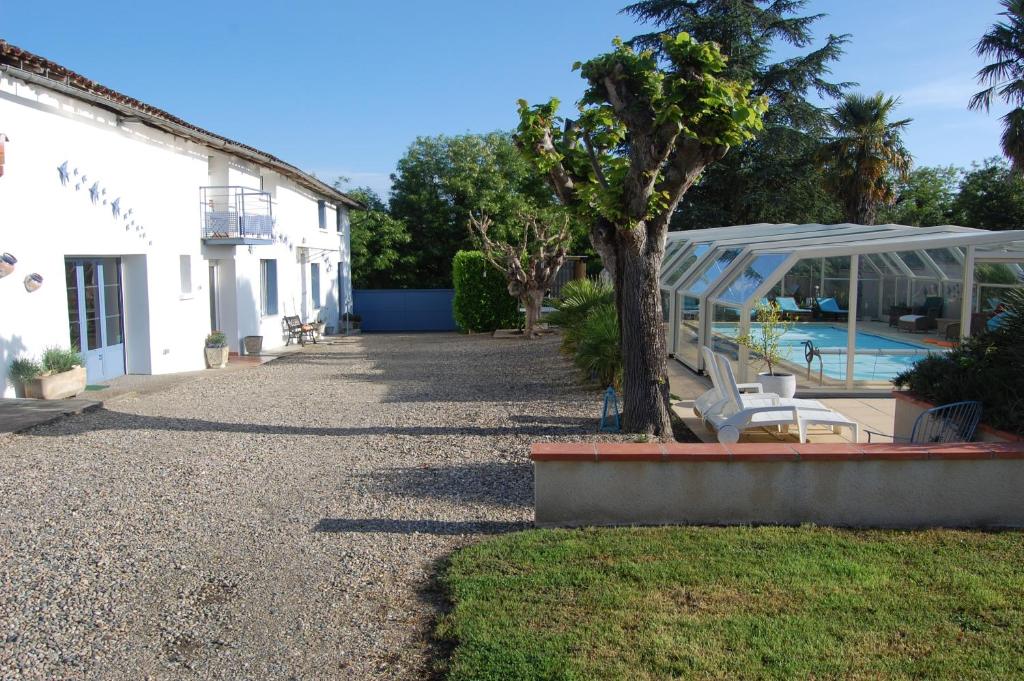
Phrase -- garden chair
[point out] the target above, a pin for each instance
(829, 307)
(954, 422)
(735, 416)
(789, 306)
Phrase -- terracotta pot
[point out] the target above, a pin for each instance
(217, 358)
(57, 386)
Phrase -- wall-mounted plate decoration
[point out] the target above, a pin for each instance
(7, 263)
(33, 282)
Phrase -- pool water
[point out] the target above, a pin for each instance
(878, 358)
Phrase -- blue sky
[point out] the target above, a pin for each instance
(342, 88)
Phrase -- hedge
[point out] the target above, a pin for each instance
(482, 302)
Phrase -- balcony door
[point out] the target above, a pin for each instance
(95, 314)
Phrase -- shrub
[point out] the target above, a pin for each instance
(24, 369)
(579, 297)
(988, 368)
(217, 339)
(58, 360)
(482, 301)
(599, 353)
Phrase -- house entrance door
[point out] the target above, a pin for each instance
(95, 314)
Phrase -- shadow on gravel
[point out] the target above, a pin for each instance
(105, 419)
(497, 483)
(439, 527)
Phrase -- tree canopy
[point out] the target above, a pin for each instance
(991, 197)
(925, 198)
(1003, 77)
(380, 244)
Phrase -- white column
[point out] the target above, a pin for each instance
(851, 323)
(967, 294)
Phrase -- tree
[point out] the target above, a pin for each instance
(379, 241)
(441, 180)
(772, 178)
(864, 156)
(644, 134)
(991, 197)
(925, 198)
(1004, 77)
(531, 265)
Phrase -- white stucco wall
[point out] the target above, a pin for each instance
(157, 177)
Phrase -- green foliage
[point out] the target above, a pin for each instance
(774, 177)
(991, 197)
(766, 338)
(57, 360)
(24, 369)
(1004, 77)
(599, 350)
(715, 111)
(865, 156)
(216, 339)
(579, 298)
(988, 368)
(925, 198)
(441, 180)
(482, 302)
(736, 603)
(381, 252)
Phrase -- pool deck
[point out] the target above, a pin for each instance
(872, 413)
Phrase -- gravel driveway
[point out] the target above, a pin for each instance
(278, 522)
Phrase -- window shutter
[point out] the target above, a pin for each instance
(321, 210)
(272, 286)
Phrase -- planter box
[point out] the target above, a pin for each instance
(217, 358)
(909, 406)
(57, 386)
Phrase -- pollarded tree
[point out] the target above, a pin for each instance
(865, 156)
(531, 265)
(645, 132)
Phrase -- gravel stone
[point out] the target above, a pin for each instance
(280, 522)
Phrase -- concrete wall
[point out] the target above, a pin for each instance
(156, 178)
(969, 485)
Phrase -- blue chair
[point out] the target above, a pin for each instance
(787, 304)
(955, 422)
(829, 306)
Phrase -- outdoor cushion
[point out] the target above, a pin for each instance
(830, 305)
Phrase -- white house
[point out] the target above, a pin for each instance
(136, 233)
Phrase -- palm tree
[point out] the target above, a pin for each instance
(1004, 77)
(864, 155)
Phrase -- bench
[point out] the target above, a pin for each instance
(298, 330)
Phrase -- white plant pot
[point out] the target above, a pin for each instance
(783, 385)
(217, 358)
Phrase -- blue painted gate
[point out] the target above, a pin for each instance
(405, 309)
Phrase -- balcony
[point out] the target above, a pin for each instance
(234, 216)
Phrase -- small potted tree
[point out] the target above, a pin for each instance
(764, 341)
(216, 350)
(60, 375)
(21, 371)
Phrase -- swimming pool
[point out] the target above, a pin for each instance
(878, 358)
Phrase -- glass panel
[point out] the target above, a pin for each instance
(914, 262)
(712, 270)
(688, 329)
(671, 250)
(685, 264)
(92, 308)
(752, 276)
(74, 323)
(947, 262)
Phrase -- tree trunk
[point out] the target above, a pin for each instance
(645, 369)
(533, 301)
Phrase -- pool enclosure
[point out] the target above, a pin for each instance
(864, 301)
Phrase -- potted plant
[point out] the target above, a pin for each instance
(21, 371)
(764, 341)
(351, 321)
(216, 350)
(60, 375)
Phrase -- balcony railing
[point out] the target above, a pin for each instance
(236, 215)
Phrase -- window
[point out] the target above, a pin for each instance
(339, 219)
(321, 213)
(268, 287)
(185, 272)
(314, 283)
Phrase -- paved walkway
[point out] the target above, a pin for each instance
(17, 414)
(282, 521)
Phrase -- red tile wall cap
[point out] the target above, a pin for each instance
(770, 452)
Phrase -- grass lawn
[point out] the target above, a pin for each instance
(737, 603)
